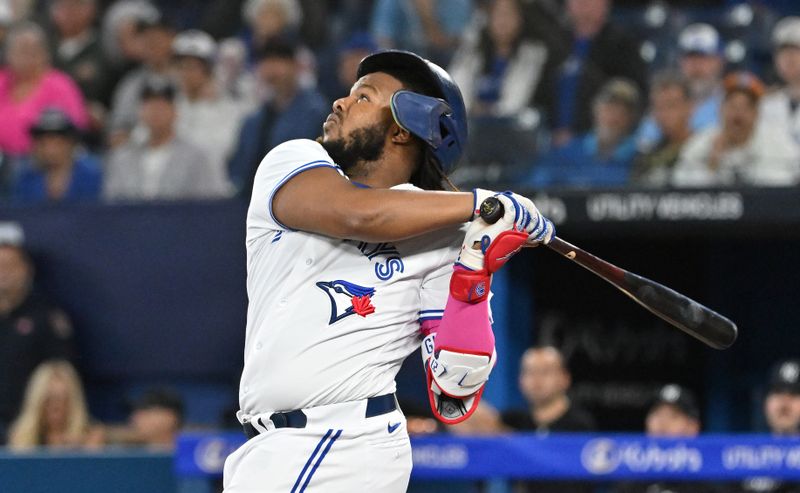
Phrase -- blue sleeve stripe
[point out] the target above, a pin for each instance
(432, 317)
(431, 311)
(292, 174)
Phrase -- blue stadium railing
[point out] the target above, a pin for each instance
(600, 458)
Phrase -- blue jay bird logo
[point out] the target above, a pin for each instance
(347, 299)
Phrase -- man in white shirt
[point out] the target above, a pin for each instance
(207, 118)
(739, 152)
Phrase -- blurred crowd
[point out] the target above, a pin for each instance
(133, 100)
(137, 100)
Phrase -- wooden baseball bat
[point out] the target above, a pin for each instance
(680, 311)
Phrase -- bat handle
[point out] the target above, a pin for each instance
(491, 210)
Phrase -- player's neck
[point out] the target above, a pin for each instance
(385, 172)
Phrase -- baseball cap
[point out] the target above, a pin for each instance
(158, 87)
(787, 32)
(743, 82)
(699, 39)
(619, 90)
(678, 396)
(53, 121)
(195, 43)
(785, 377)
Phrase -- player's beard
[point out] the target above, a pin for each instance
(363, 146)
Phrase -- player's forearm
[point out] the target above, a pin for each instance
(392, 215)
(321, 201)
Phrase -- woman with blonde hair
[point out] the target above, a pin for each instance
(54, 411)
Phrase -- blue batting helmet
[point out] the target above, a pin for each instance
(439, 118)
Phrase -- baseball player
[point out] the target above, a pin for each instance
(353, 258)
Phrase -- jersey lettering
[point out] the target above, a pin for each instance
(383, 270)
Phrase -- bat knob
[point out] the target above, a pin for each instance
(491, 210)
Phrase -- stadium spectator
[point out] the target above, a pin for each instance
(496, 69)
(58, 168)
(599, 51)
(207, 118)
(54, 413)
(348, 56)
(158, 164)
(156, 419)
(782, 412)
(738, 152)
(430, 28)
(231, 72)
(544, 382)
(156, 35)
(78, 52)
(121, 41)
(673, 414)
(671, 107)
(31, 329)
(701, 62)
(782, 405)
(779, 110)
(28, 84)
(270, 19)
(602, 157)
(291, 113)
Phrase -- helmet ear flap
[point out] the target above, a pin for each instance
(420, 115)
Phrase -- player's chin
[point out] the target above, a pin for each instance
(330, 131)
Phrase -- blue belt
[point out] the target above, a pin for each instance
(376, 406)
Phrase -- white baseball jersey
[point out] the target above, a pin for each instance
(330, 320)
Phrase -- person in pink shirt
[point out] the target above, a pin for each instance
(28, 84)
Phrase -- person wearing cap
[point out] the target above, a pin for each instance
(59, 169)
(158, 164)
(782, 415)
(782, 404)
(739, 152)
(291, 112)
(701, 63)
(597, 52)
(156, 34)
(28, 85)
(206, 116)
(32, 329)
(603, 156)
(671, 107)
(673, 413)
(496, 68)
(779, 109)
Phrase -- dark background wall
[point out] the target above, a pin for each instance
(157, 294)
